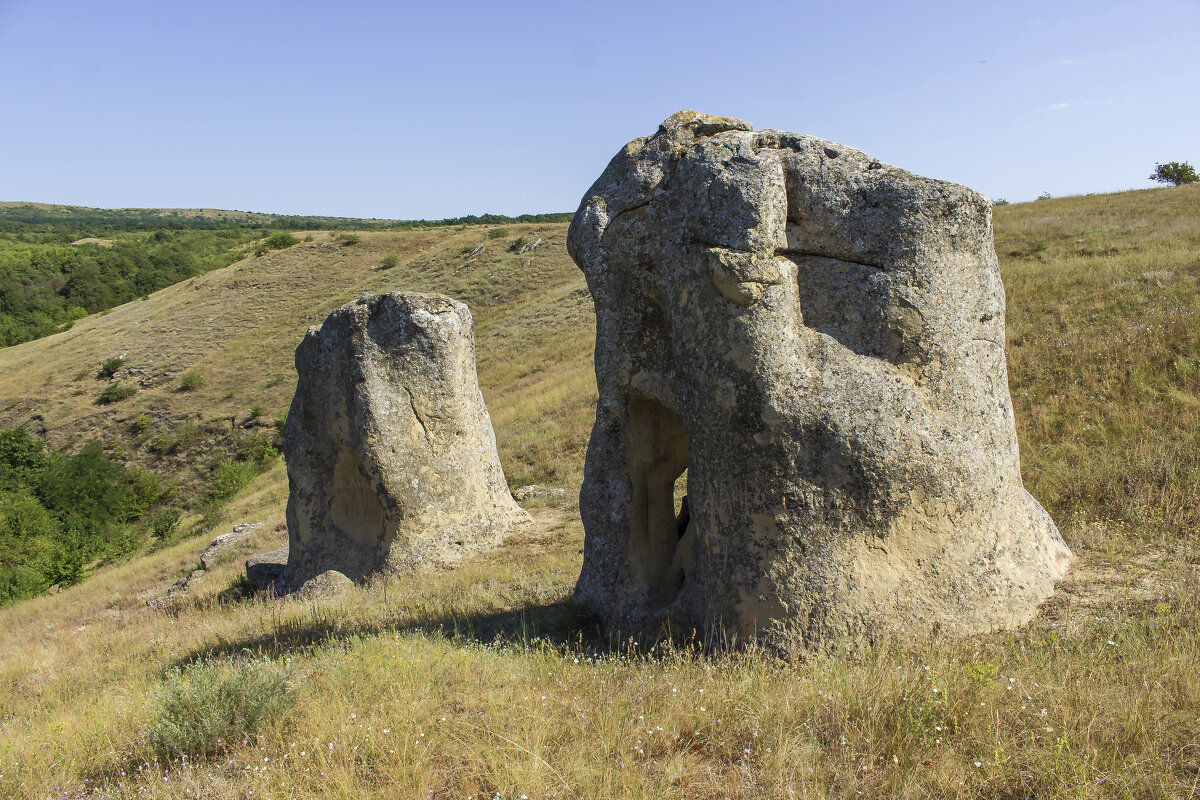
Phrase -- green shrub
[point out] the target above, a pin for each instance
(205, 706)
(166, 523)
(518, 243)
(162, 443)
(190, 380)
(256, 412)
(256, 448)
(498, 233)
(141, 423)
(389, 261)
(230, 478)
(280, 240)
(348, 239)
(110, 367)
(115, 393)
(187, 435)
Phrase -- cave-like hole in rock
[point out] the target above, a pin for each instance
(354, 506)
(660, 526)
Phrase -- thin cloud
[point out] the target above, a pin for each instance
(1057, 106)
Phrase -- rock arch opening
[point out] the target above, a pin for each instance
(661, 528)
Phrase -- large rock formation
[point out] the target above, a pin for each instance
(390, 452)
(817, 338)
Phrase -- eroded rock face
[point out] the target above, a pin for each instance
(818, 339)
(391, 456)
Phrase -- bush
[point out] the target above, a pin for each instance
(110, 367)
(256, 412)
(348, 239)
(230, 478)
(207, 705)
(389, 261)
(190, 380)
(1176, 173)
(166, 523)
(187, 435)
(141, 423)
(498, 233)
(161, 443)
(115, 393)
(281, 240)
(257, 448)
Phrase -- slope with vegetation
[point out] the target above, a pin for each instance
(61, 263)
(484, 681)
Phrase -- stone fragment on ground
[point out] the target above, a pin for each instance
(817, 338)
(536, 492)
(208, 558)
(264, 570)
(225, 541)
(328, 583)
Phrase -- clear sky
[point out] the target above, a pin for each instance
(430, 110)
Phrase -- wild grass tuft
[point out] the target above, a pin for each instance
(205, 709)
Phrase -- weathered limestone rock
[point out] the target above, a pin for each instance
(391, 457)
(208, 559)
(264, 570)
(221, 544)
(817, 338)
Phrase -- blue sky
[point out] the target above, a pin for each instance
(426, 110)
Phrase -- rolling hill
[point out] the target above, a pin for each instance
(484, 681)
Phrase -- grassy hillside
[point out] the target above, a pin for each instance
(483, 681)
(60, 263)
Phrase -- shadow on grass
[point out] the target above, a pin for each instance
(558, 624)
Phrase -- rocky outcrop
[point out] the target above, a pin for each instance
(391, 457)
(817, 339)
(209, 558)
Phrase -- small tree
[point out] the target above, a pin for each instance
(1176, 173)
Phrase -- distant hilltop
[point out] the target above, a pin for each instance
(15, 213)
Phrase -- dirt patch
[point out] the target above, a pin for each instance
(1102, 581)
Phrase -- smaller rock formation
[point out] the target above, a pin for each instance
(391, 457)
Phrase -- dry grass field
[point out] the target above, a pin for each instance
(484, 682)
